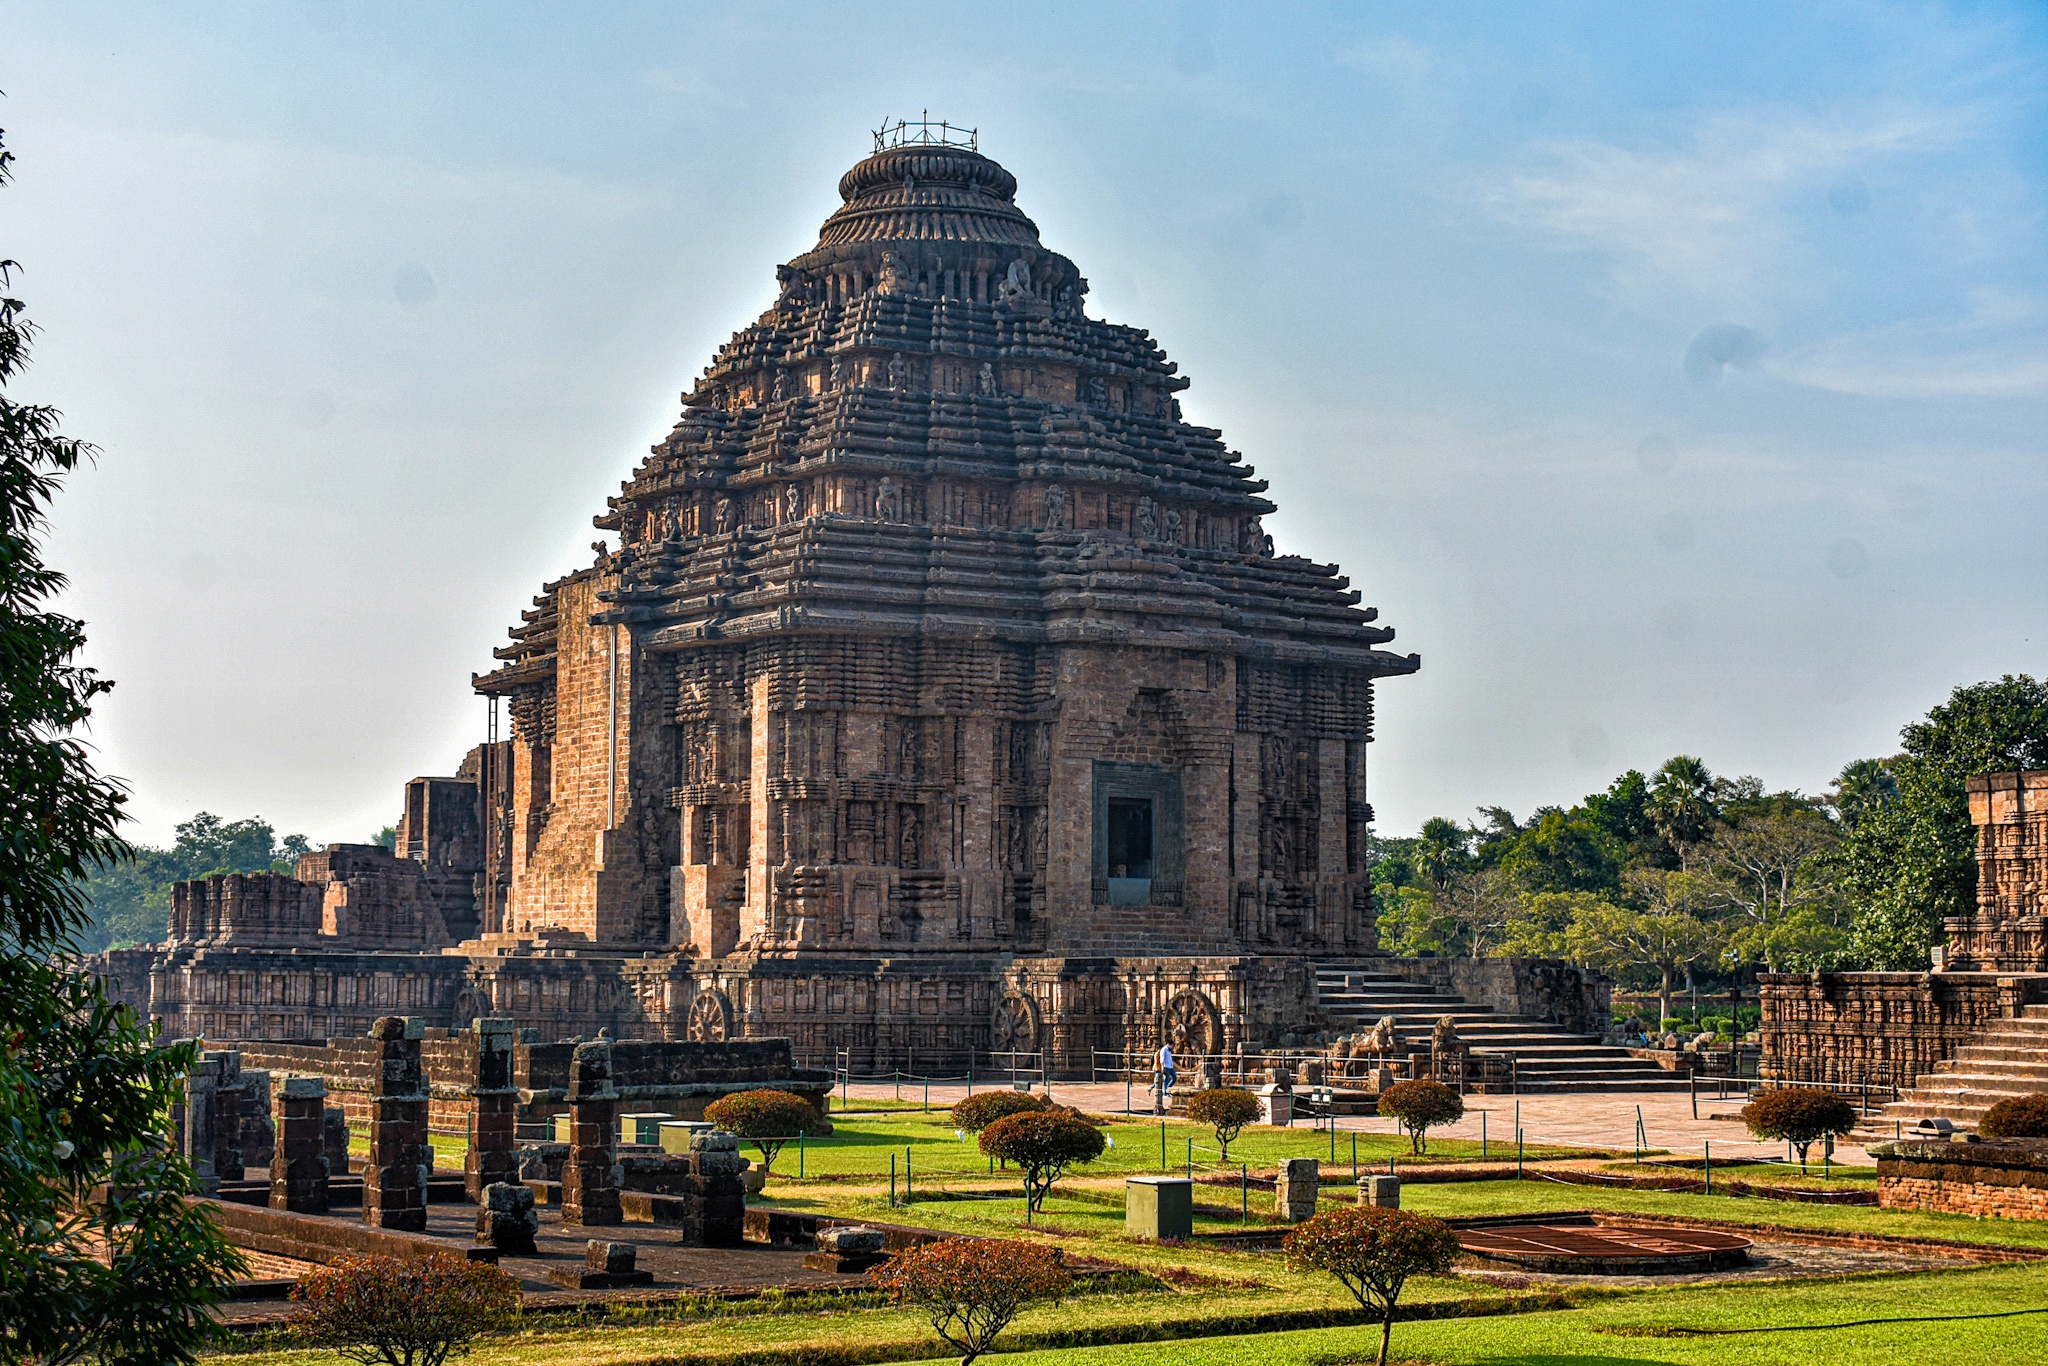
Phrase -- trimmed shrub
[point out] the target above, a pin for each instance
(1042, 1145)
(1799, 1116)
(401, 1311)
(1420, 1106)
(2016, 1117)
(971, 1288)
(976, 1113)
(766, 1118)
(1372, 1252)
(1227, 1110)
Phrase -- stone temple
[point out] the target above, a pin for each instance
(938, 691)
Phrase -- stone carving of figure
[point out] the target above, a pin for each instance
(896, 372)
(669, 521)
(1266, 546)
(1444, 1038)
(1098, 392)
(891, 280)
(912, 840)
(793, 503)
(1385, 1038)
(791, 285)
(781, 388)
(1173, 406)
(1016, 284)
(888, 502)
(1147, 519)
(1254, 536)
(728, 516)
(833, 374)
(1172, 525)
(1066, 300)
(1056, 508)
(988, 378)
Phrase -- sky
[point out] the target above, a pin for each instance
(1673, 378)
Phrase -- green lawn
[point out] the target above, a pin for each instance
(861, 1146)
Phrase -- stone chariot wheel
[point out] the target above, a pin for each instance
(710, 1018)
(1015, 1027)
(1191, 1023)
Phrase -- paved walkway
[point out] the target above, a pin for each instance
(1598, 1121)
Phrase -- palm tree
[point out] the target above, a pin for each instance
(1682, 804)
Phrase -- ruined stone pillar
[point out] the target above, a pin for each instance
(493, 1152)
(259, 1134)
(202, 1083)
(298, 1163)
(228, 1094)
(590, 1190)
(1294, 1194)
(395, 1178)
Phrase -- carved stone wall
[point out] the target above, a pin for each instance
(1846, 1028)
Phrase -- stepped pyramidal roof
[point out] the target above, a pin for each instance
(927, 432)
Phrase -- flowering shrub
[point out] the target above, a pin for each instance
(970, 1288)
(766, 1118)
(1226, 1110)
(2016, 1117)
(1042, 1144)
(1798, 1116)
(976, 1113)
(401, 1311)
(1420, 1106)
(1372, 1252)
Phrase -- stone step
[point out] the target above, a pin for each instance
(2003, 1062)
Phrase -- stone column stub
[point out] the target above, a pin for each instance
(298, 1163)
(590, 1191)
(493, 1155)
(395, 1178)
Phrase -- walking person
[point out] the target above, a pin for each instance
(1167, 1075)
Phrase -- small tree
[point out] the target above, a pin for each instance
(1799, 1117)
(1042, 1144)
(401, 1311)
(1373, 1252)
(971, 1288)
(975, 1113)
(2016, 1117)
(1420, 1106)
(1227, 1110)
(766, 1118)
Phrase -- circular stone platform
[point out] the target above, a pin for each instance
(1589, 1250)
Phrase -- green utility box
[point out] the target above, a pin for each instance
(1159, 1207)
(642, 1126)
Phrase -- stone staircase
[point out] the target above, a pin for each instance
(2008, 1059)
(1548, 1059)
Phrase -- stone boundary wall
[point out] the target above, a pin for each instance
(1846, 1028)
(679, 1077)
(1546, 989)
(2002, 1178)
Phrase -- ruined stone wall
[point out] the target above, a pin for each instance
(254, 994)
(244, 909)
(1986, 1179)
(1560, 993)
(1846, 1028)
(2009, 931)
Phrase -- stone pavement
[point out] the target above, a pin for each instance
(1599, 1121)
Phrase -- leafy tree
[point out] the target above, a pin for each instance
(1622, 940)
(1541, 921)
(388, 837)
(1419, 1106)
(1770, 867)
(1910, 861)
(100, 1255)
(1411, 923)
(1042, 1145)
(1798, 1116)
(401, 1311)
(766, 1118)
(1563, 852)
(1372, 1252)
(1681, 803)
(1225, 1109)
(1482, 905)
(971, 1288)
(975, 1113)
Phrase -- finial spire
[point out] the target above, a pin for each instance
(924, 133)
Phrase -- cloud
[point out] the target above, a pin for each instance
(1999, 349)
(1393, 56)
(1709, 216)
